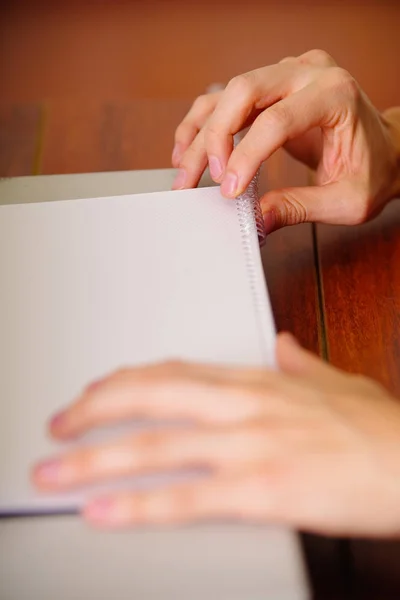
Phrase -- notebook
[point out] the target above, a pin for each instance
(90, 285)
(155, 275)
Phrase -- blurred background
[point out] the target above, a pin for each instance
(115, 49)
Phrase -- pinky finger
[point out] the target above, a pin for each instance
(244, 498)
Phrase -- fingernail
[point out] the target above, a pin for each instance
(215, 167)
(176, 154)
(99, 509)
(94, 386)
(229, 185)
(269, 222)
(58, 420)
(179, 181)
(48, 471)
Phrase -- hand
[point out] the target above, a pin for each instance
(317, 112)
(308, 446)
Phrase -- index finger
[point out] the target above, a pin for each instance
(242, 100)
(293, 116)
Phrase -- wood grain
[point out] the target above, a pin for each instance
(290, 269)
(289, 264)
(361, 289)
(19, 139)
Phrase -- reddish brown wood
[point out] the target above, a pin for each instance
(88, 136)
(289, 264)
(290, 268)
(361, 287)
(19, 139)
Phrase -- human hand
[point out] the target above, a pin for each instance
(306, 446)
(320, 115)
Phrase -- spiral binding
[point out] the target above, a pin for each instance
(250, 213)
(250, 216)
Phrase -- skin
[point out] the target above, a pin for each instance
(307, 445)
(320, 115)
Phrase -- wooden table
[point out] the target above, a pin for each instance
(337, 289)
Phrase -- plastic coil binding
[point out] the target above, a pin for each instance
(250, 216)
(248, 203)
(249, 210)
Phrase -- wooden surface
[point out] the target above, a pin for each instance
(337, 289)
(360, 275)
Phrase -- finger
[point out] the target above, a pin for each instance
(218, 448)
(295, 360)
(320, 204)
(291, 117)
(227, 498)
(288, 59)
(192, 164)
(317, 58)
(186, 132)
(243, 96)
(178, 392)
(166, 391)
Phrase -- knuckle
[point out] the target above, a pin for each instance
(341, 80)
(242, 157)
(318, 57)
(240, 85)
(193, 159)
(278, 116)
(287, 59)
(184, 130)
(211, 132)
(202, 103)
(292, 211)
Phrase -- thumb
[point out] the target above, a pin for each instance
(324, 204)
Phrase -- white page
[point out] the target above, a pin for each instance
(58, 558)
(92, 285)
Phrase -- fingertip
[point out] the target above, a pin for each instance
(180, 180)
(99, 511)
(288, 350)
(45, 475)
(59, 426)
(177, 154)
(230, 185)
(293, 358)
(285, 338)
